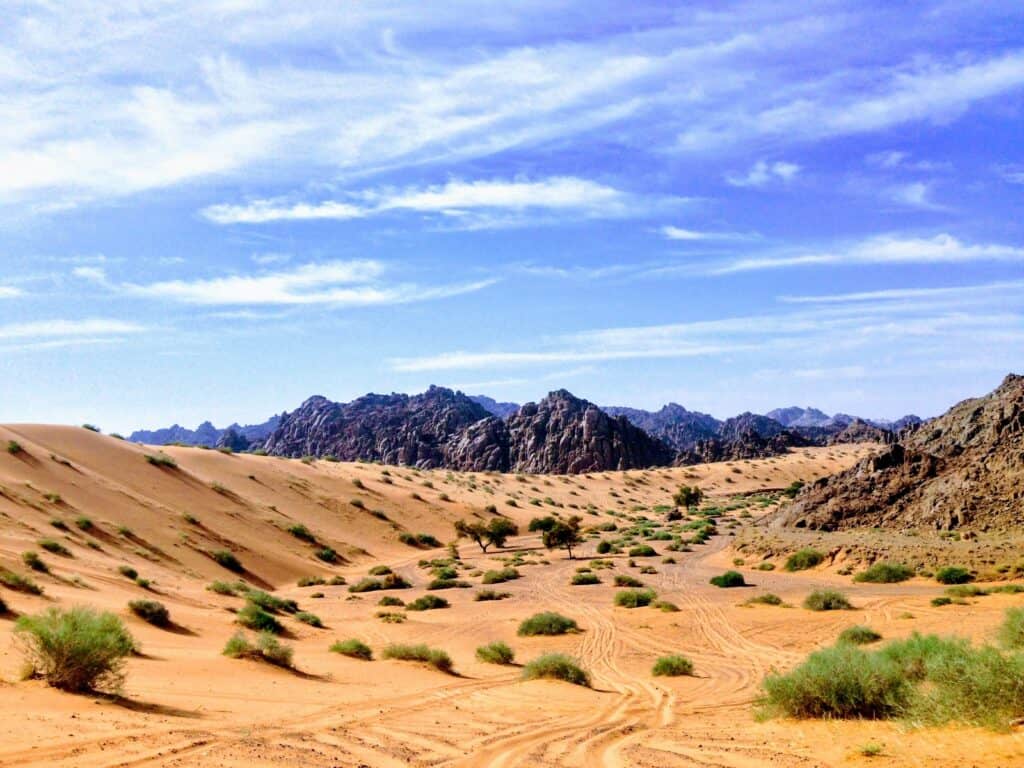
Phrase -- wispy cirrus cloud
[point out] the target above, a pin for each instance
(693, 235)
(763, 173)
(482, 202)
(62, 333)
(356, 283)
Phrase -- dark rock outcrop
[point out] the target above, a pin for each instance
(492, 406)
(205, 434)
(481, 447)
(963, 469)
(673, 424)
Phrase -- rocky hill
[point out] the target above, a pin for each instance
(673, 424)
(964, 469)
(207, 434)
(495, 408)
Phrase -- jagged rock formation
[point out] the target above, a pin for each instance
(673, 424)
(860, 431)
(205, 434)
(395, 429)
(232, 440)
(481, 447)
(492, 406)
(565, 434)
(963, 469)
(747, 444)
(794, 416)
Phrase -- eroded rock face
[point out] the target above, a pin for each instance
(564, 434)
(963, 469)
(672, 424)
(395, 429)
(744, 445)
(481, 447)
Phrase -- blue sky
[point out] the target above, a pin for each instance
(216, 209)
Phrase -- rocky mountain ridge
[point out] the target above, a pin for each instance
(964, 469)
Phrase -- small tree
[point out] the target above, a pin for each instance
(688, 497)
(564, 534)
(496, 532)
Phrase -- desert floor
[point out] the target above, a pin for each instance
(184, 704)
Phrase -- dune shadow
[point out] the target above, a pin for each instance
(152, 708)
(178, 629)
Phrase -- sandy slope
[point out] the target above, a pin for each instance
(187, 705)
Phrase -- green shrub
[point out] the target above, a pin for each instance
(495, 653)
(634, 598)
(962, 591)
(423, 653)
(728, 579)
(448, 584)
(804, 559)
(391, 581)
(665, 606)
(766, 599)
(765, 566)
(625, 580)
(380, 570)
(311, 581)
(356, 649)
(84, 523)
(77, 649)
(584, 579)
(391, 600)
(547, 623)
(33, 561)
(1011, 632)
(827, 600)
(841, 682)
(427, 603)
(128, 572)
(154, 612)
(885, 573)
(940, 601)
(227, 559)
(327, 554)
(672, 666)
(20, 583)
(301, 532)
(161, 460)
(254, 617)
(309, 618)
(500, 576)
(390, 617)
(642, 550)
(953, 574)
(54, 547)
(268, 648)
(556, 666)
(490, 594)
(14, 447)
(859, 635)
(227, 588)
(269, 602)
(604, 547)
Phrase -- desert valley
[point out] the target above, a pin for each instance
(343, 564)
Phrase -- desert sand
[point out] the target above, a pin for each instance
(184, 704)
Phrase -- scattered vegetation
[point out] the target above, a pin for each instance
(254, 617)
(20, 583)
(267, 648)
(859, 635)
(227, 559)
(585, 579)
(827, 600)
(495, 653)
(885, 573)
(497, 531)
(354, 648)
(556, 666)
(161, 460)
(489, 594)
(728, 580)
(547, 623)
(804, 559)
(672, 666)
(435, 657)
(635, 598)
(766, 599)
(309, 618)
(77, 649)
(953, 574)
(154, 612)
(427, 603)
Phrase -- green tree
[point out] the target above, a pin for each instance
(496, 532)
(564, 534)
(688, 497)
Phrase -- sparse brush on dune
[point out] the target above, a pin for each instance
(354, 648)
(556, 666)
(547, 623)
(435, 657)
(495, 653)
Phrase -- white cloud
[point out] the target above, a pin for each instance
(10, 292)
(916, 194)
(456, 198)
(1014, 174)
(763, 173)
(336, 283)
(885, 249)
(692, 235)
(68, 329)
(986, 290)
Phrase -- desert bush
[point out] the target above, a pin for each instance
(380, 570)
(938, 602)
(953, 574)
(128, 572)
(309, 618)
(84, 523)
(885, 573)
(665, 606)
(827, 600)
(254, 617)
(556, 666)
(489, 594)
(154, 612)
(427, 603)
(227, 559)
(842, 682)
(859, 635)
(547, 623)
(804, 559)
(77, 649)
(301, 532)
(391, 600)
(643, 550)
(495, 653)
(272, 603)
(500, 576)
(448, 584)
(962, 591)
(14, 447)
(625, 580)
(423, 653)
(604, 547)
(672, 666)
(227, 588)
(33, 561)
(1011, 632)
(267, 648)
(161, 460)
(311, 581)
(634, 598)
(20, 583)
(55, 547)
(766, 599)
(728, 579)
(584, 579)
(390, 617)
(354, 648)
(764, 566)
(327, 554)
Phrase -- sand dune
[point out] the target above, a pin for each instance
(185, 704)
